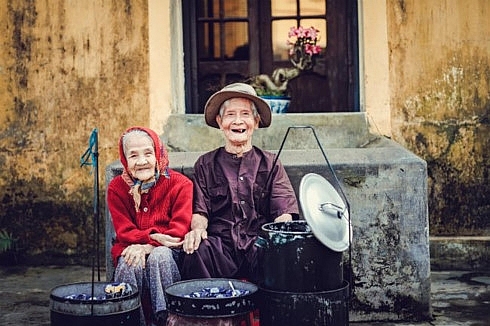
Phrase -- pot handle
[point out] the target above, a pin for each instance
(261, 242)
(331, 206)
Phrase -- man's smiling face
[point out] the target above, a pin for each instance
(238, 121)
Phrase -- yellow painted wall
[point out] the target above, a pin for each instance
(66, 67)
(439, 67)
(374, 68)
(69, 66)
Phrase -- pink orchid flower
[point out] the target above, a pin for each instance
(305, 38)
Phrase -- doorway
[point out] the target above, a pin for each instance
(229, 41)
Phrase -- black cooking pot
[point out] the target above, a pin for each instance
(123, 310)
(292, 259)
(180, 302)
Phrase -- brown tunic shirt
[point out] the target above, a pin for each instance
(233, 194)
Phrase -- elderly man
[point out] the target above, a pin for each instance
(236, 190)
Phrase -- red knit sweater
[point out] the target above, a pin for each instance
(166, 208)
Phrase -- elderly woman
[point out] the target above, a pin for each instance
(236, 190)
(151, 208)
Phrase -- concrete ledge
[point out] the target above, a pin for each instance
(460, 253)
(386, 187)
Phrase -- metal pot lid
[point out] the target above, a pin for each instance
(325, 212)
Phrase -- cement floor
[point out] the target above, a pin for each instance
(458, 298)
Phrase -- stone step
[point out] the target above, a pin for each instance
(386, 187)
(468, 253)
(189, 133)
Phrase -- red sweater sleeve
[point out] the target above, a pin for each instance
(181, 205)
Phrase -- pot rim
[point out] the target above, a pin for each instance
(293, 232)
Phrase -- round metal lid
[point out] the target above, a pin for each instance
(325, 212)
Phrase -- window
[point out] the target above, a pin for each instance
(230, 40)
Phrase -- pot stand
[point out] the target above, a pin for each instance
(332, 178)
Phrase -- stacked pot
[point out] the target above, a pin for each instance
(301, 262)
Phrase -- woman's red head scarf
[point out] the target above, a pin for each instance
(161, 155)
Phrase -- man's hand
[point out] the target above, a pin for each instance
(284, 218)
(192, 240)
(135, 254)
(167, 240)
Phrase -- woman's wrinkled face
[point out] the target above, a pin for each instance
(238, 121)
(140, 154)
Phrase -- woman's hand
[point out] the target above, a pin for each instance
(135, 255)
(166, 240)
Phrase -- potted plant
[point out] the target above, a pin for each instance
(303, 49)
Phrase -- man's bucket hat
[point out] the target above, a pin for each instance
(211, 109)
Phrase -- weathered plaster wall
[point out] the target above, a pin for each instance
(166, 84)
(66, 67)
(374, 70)
(440, 99)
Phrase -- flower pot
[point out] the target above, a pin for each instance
(278, 104)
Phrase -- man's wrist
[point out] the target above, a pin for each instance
(199, 221)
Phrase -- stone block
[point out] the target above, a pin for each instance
(386, 187)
